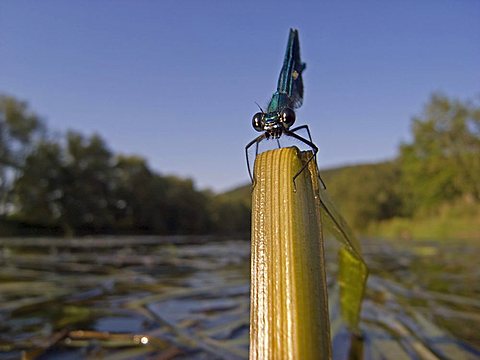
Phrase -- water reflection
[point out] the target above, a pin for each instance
(188, 298)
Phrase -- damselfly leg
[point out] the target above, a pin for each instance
(306, 142)
(303, 127)
(255, 141)
(310, 138)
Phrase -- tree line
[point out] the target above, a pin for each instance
(74, 184)
(439, 168)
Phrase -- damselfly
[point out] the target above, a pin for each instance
(280, 114)
(277, 121)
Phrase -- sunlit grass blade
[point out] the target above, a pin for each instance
(289, 310)
(353, 272)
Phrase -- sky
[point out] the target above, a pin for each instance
(176, 81)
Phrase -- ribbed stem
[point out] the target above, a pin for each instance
(289, 309)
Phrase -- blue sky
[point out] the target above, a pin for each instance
(176, 81)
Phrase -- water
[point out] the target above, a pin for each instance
(188, 298)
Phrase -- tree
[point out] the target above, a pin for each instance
(187, 208)
(88, 181)
(443, 160)
(39, 190)
(70, 186)
(20, 129)
(140, 194)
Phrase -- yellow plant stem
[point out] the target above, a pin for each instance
(289, 307)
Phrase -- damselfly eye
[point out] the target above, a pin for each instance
(258, 121)
(287, 117)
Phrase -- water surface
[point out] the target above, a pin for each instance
(188, 298)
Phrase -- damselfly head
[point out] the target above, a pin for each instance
(258, 121)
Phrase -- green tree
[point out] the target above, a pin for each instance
(70, 186)
(148, 202)
(187, 208)
(141, 196)
(20, 129)
(39, 189)
(88, 181)
(443, 160)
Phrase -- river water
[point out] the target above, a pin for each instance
(188, 298)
